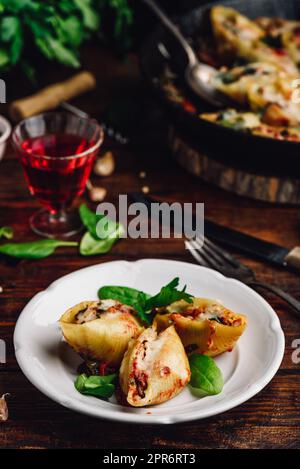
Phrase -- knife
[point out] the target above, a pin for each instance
(242, 242)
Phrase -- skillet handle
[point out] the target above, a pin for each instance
(295, 304)
(174, 30)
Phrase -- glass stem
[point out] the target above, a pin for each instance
(58, 216)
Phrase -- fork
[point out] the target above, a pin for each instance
(213, 256)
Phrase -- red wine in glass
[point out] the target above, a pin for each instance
(56, 181)
(57, 152)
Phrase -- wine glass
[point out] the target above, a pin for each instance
(57, 151)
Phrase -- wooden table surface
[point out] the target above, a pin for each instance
(269, 420)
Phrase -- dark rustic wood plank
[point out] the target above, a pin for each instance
(271, 419)
(268, 420)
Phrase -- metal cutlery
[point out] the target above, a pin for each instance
(210, 255)
(198, 76)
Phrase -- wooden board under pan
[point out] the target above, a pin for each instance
(242, 181)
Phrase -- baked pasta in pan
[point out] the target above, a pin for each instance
(204, 326)
(251, 123)
(259, 61)
(238, 37)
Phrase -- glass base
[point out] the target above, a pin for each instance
(60, 225)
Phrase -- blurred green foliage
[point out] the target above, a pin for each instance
(57, 28)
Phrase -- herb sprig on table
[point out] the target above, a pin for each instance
(101, 235)
(34, 249)
(6, 232)
(56, 29)
(91, 243)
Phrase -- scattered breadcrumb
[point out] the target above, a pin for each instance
(145, 189)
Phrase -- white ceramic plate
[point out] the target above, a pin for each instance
(50, 364)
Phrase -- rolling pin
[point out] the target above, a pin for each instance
(52, 96)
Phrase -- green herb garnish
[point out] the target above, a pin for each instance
(57, 29)
(142, 302)
(129, 296)
(101, 235)
(206, 377)
(6, 232)
(167, 295)
(273, 41)
(34, 249)
(98, 386)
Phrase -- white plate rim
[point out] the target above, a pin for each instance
(152, 419)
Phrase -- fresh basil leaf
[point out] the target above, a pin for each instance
(89, 219)
(206, 377)
(6, 232)
(273, 41)
(102, 232)
(167, 295)
(89, 246)
(142, 302)
(62, 53)
(89, 14)
(4, 58)
(126, 295)
(34, 249)
(97, 386)
(129, 296)
(9, 28)
(70, 30)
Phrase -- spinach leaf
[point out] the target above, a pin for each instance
(89, 219)
(142, 302)
(167, 295)
(34, 249)
(102, 232)
(6, 232)
(98, 386)
(206, 378)
(89, 246)
(128, 296)
(273, 41)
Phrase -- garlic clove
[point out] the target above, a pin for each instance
(97, 194)
(3, 408)
(105, 165)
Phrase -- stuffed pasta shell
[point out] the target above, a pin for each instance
(100, 330)
(282, 34)
(233, 31)
(155, 368)
(236, 81)
(274, 101)
(238, 36)
(204, 326)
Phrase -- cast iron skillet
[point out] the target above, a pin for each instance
(231, 146)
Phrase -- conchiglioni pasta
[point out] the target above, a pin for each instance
(155, 368)
(204, 326)
(238, 36)
(100, 330)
